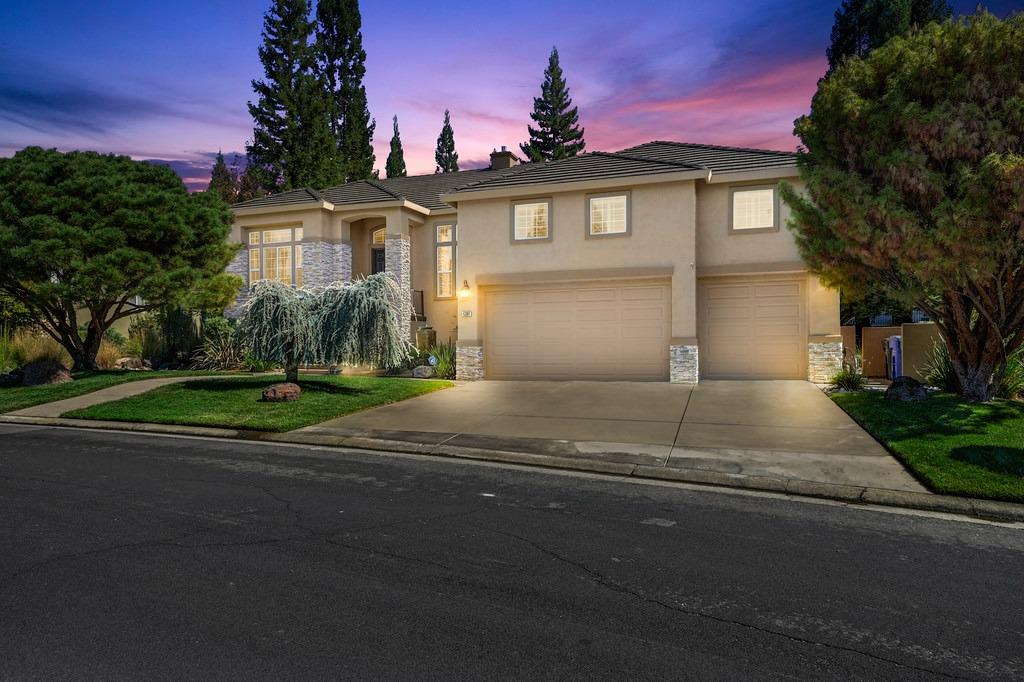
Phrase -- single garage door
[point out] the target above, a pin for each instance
(752, 328)
(595, 331)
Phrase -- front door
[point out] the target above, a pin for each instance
(377, 261)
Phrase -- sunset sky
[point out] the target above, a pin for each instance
(170, 80)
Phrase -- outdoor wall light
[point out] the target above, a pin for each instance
(464, 292)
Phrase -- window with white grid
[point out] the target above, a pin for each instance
(531, 220)
(753, 209)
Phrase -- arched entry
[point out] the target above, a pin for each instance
(377, 255)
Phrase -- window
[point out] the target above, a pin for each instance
(380, 236)
(444, 260)
(754, 209)
(531, 220)
(608, 214)
(274, 254)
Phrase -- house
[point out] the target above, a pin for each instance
(662, 262)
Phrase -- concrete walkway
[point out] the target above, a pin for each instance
(766, 429)
(104, 395)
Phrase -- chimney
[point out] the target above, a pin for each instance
(503, 159)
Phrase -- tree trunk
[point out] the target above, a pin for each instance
(979, 377)
(83, 356)
(291, 372)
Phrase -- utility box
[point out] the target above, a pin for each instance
(426, 338)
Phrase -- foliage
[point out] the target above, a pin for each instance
(222, 181)
(395, 166)
(219, 350)
(915, 174)
(940, 373)
(144, 339)
(235, 402)
(359, 323)
(18, 348)
(862, 25)
(179, 336)
(108, 354)
(248, 187)
(13, 315)
(250, 363)
(293, 145)
(862, 305)
(848, 379)
(279, 324)
(341, 66)
(445, 156)
(444, 355)
(100, 232)
(558, 134)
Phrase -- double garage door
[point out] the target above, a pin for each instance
(748, 328)
(590, 331)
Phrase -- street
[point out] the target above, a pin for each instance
(138, 556)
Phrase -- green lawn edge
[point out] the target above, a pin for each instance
(14, 398)
(234, 402)
(952, 446)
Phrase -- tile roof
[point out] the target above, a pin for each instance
(718, 159)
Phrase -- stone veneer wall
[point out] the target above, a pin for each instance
(683, 365)
(823, 361)
(398, 264)
(469, 363)
(324, 263)
(239, 265)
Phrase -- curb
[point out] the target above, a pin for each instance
(990, 510)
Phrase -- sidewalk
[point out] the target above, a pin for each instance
(104, 395)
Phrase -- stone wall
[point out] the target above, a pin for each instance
(239, 265)
(683, 364)
(824, 360)
(398, 264)
(469, 363)
(324, 263)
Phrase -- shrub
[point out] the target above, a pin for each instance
(444, 354)
(848, 380)
(939, 372)
(251, 363)
(17, 349)
(108, 354)
(220, 350)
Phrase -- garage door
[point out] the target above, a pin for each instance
(586, 331)
(752, 329)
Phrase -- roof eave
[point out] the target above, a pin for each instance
(789, 171)
(240, 211)
(574, 186)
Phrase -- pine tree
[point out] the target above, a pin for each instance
(221, 182)
(445, 155)
(862, 25)
(292, 140)
(558, 134)
(395, 166)
(341, 61)
(248, 186)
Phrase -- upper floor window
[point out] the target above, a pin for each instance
(276, 254)
(754, 208)
(608, 214)
(380, 236)
(531, 220)
(444, 260)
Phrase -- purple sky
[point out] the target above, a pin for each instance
(170, 80)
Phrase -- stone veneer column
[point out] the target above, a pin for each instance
(398, 264)
(824, 360)
(469, 362)
(239, 265)
(324, 263)
(683, 364)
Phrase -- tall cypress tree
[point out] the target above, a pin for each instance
(395, 166)
(222, 183)
(558, 134)
(445, 156)
(862, 25)
(290, 116)
(342, 64)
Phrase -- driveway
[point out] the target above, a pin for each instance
(777, 429)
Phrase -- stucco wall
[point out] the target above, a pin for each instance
(441, 313)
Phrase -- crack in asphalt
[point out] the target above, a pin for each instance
(609, 583)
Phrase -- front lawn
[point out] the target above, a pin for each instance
(19, 397)
(236, 403)
(956, 447)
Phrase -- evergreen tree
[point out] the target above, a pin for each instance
(292, 141)
(557, 135)
(862, 25)
(248, 186)
(445, 156)
(395, 167)
(221, 182)
(341, 62)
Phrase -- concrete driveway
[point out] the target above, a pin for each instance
(778, 429)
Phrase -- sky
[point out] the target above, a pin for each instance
(169, 81)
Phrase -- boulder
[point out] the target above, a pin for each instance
(129, 363)
(44, 372)
(281, 393)
(11, 379)
(423, 372)
(906, 390)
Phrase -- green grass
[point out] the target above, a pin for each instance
(955, 447)
(236, 402)
(19, 397)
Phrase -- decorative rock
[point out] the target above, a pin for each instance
(281, 393)
(44, 372)
(129, 363)
(907, 390)
(423, 372)
(11, 379)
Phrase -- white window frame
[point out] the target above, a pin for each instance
(733, 191)
(628, 224)
(452, 244)
(256, 245)
(531, 202)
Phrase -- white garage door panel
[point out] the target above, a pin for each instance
(579, 332)
(752, 329)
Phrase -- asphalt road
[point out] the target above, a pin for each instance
(135, 556)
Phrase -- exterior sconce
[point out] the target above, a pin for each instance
(464, 292)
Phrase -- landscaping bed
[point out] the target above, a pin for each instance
(236, 402)
(954, 446)
(19, 397)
